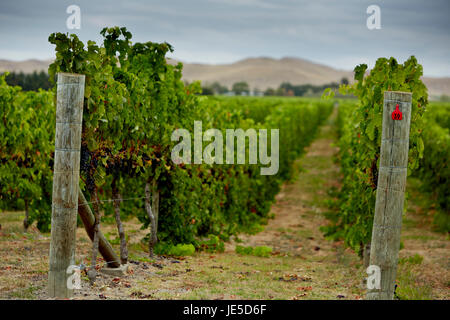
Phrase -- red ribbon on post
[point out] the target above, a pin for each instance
(397, 114)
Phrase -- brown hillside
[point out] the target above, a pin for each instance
(27, 66)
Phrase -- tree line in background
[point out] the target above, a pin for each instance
(29, 81)
(285, 89)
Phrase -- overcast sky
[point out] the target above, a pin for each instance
(222, 31)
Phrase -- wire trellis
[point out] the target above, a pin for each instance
(111, 200)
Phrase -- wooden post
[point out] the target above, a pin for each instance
(390, 193)
(66, 173)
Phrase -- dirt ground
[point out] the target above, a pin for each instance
(303, 264)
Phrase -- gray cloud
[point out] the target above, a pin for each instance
(222, 31)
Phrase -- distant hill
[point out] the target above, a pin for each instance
(260, 73)
(27, 66)
(263, 73)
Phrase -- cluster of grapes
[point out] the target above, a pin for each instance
(94, 162)
(113, 166)
(90, 183)
(86, 162)
(85, 159)
(24, 163)
(120, 166)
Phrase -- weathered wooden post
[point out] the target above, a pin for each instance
(390, 191)
(69, 115)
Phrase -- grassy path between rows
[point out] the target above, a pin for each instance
(303, 264)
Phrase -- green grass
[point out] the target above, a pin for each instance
(410, 223)
(262, 251)
(409, 289)
(25, 293)
(420, 237)
(409, 286)
(415, 259)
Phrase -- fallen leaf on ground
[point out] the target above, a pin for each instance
(296, 297)
(293, 277)
(309, 288)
